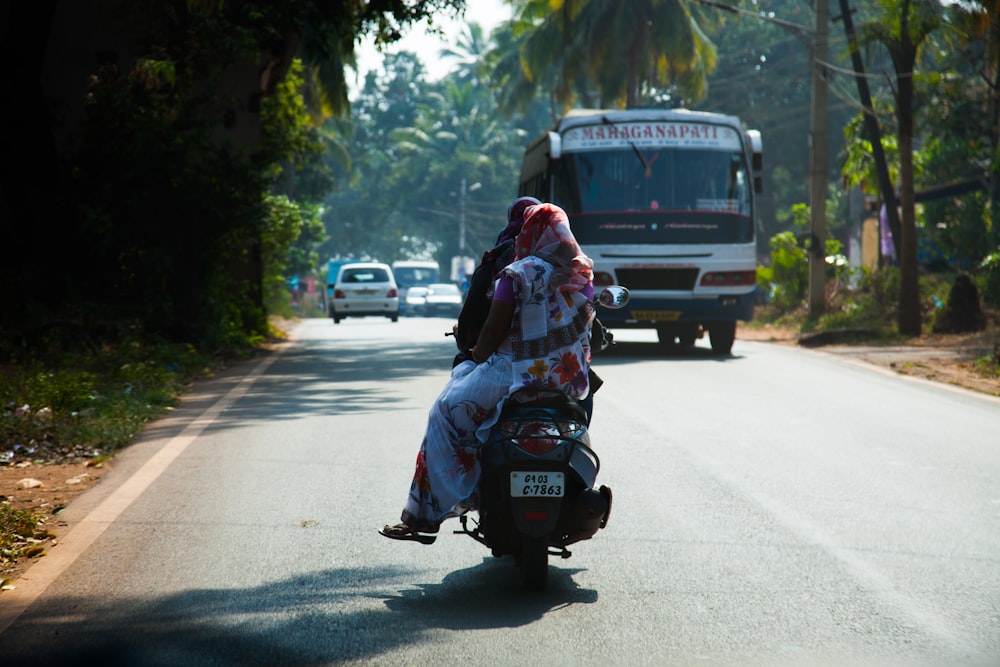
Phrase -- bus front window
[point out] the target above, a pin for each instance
(657, 179)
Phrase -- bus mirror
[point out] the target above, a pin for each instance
(758, 184)
(555, 145)
(613, 296)
(756, 149)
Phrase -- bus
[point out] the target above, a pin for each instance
(663, 202)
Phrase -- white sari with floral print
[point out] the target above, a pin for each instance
(549, 346)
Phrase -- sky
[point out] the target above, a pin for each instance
(487, 13)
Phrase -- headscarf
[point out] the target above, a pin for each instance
(550, 332)
(515, 218)
(502, 253)
(546, 234)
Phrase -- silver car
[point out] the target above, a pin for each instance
(365, 288)
(442, 299)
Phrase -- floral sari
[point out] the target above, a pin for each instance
(548, 345)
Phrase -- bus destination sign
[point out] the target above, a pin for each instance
(667, 134)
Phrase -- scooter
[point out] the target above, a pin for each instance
(536, 491)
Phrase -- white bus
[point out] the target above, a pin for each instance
(413, 274)
(663, 202)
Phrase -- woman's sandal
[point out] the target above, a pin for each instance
(403, 532)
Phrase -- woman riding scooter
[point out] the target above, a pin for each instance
(537, 333)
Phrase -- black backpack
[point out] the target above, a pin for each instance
(480, 293)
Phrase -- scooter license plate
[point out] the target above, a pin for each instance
(537, 484)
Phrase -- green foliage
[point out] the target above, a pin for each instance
(990, 281)
(870, 306)
(786, 279)
(988, 366)
(605, 53)
(78, 402)
(413, 144)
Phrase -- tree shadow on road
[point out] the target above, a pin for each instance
(321, 618)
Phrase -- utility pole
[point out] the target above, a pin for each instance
(817, 145)
(818, 48)
(461, 220)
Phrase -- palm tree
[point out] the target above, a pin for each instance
(653, 42)
(468, 52)
(609, 51)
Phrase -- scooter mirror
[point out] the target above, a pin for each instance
(614, 296)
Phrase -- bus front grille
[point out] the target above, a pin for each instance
(657, 279)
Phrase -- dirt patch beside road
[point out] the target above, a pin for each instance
(947, 358)
(44, 490)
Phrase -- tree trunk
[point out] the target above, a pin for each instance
(909, 314)
(636, 50)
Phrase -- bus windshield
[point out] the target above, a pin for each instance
(412, 276)
(677, 195)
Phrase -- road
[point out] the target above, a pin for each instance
(777, 507)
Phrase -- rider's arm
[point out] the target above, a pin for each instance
(496, 327)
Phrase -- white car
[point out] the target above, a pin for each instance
(442, 299)
(415, 299)
(365, 288)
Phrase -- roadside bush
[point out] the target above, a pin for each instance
(871, 305)
(990, 282)
(784, 282)
(89, 402)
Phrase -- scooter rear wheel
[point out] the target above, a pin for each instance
(534, 563)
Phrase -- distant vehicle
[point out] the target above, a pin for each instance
(365, 288)
(332, 269)
(443, 299)
(414, 273)
(416, 297)
(663, 201)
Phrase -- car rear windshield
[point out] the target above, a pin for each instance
(365, 276)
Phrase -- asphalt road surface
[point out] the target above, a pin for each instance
(776, 507)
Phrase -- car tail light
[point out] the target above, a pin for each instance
(602, 278)
(729, 278)
(392, 293)
(337, 294)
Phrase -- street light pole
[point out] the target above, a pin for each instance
(461, 220)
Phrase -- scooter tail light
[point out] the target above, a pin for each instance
(537, 446)
(536, 516)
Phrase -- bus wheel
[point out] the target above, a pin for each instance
(688, 336)
(721, 335)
